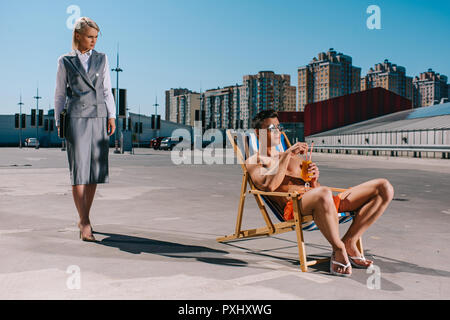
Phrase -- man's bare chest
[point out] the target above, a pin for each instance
(293, 168)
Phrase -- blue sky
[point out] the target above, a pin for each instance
(208, 44)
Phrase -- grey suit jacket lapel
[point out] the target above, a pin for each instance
(94, 67)
(77, 63)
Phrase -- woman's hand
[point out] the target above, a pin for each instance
(314, 170)
(58, 130)
(111, 126)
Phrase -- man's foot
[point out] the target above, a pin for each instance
(356, 258)
(342, 265)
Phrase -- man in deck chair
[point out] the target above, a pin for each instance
(271, 170)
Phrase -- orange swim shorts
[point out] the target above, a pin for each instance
(289, 209)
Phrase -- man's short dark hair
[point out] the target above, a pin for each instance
(263, 115)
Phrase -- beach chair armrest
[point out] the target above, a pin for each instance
(337, 189)
(275, 194)
(288, 194)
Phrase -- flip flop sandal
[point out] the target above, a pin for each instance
(358, 266)
(345, 266)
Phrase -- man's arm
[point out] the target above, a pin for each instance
(269, 179)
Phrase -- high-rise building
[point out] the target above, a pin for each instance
(223, 108)
(389, 76)
(329, 75)
(267, 90)
(170, 94)
(290, 99)
(181, 105)
(429, 88)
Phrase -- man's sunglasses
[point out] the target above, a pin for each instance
(273, 128)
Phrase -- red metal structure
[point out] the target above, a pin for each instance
(356, 107)
(290, 116)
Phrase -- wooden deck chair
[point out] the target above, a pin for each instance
(244, 145)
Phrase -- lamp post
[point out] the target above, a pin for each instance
(156, 105)
(48, 125)
(139, 126)
(156, 115)
(20, 120)
(37, 97)
(117, 70)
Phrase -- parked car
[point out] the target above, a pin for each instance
(168, 143)
(156, 142)
(32, 142)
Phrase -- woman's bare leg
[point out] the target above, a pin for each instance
(89, 194)
(370, 199)
(319, 203)
(79, 197)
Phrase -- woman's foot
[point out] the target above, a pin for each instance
(86, 232)
(356, 258)
(342, 265)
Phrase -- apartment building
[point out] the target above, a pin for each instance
(170, 94)
(390, 77)
(429, 88)
(267, 90)
(181, 105)
(328, 75)
(223, 109)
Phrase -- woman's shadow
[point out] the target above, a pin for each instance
(137, 245)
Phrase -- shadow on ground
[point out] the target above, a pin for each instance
(138, 245)
(387, 265)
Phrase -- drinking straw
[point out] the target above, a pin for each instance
(310, 154)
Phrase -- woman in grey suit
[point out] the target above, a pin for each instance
(83, 86)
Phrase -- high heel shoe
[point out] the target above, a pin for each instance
(90, 238)
(92, 230)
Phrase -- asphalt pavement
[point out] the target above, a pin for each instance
(157, 224)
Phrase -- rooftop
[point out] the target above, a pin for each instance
(433, 117)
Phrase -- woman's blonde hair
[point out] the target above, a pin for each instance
(79, 26)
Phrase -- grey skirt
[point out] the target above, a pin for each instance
(87, 150)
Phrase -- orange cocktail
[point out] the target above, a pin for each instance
(305, 175)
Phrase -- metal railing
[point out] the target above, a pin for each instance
(416, 151)
(408, 148)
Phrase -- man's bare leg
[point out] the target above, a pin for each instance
(319, 203)
(370, 199)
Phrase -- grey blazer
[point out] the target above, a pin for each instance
(85, 91)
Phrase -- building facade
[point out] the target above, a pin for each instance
(47, 134)
(223, 108)
(267, 90)
(390, 77)
(429, 88)
(181, 105)
(329, 75)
